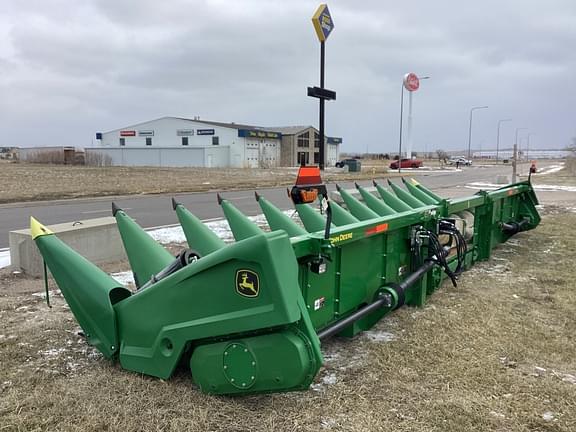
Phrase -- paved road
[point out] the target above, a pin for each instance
(156, 210)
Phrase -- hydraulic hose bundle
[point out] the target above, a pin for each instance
(437, 252)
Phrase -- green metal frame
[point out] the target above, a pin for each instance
(246, 316)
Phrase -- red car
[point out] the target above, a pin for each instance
(406, 163)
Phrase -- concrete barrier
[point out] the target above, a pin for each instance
(98, 240)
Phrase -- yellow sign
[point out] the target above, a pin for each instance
(323, 23)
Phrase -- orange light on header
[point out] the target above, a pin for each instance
(308, 176)
(309, 196)
(377, 229)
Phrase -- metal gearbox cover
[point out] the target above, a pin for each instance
(280, 361)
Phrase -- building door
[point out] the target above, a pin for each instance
(303, 158)
(252, 153)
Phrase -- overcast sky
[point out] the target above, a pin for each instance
(70, 68)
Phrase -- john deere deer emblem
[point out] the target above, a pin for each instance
(247, 283)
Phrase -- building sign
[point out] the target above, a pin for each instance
(411, 82)
(184, 132)
(248, 133)
(204, 131)
(334, 140)
(323, 23)
(127, 133)
(146, 133)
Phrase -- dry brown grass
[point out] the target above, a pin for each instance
(31, 182)
(495, 354)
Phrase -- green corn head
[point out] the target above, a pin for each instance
(248, 317)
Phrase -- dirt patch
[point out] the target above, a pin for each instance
(31, 182)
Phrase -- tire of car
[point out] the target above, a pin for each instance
(414, 165)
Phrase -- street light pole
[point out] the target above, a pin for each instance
(515, 154)
(498, 137)
(470, 128)
(401, 115)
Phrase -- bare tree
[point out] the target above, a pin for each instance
(442, 156)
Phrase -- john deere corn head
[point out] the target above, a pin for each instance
(248, 317)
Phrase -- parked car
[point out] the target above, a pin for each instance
(460, 160)
(406, 163)
(354, 165)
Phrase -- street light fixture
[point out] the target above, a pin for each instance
(470, 128)
(498, 137)
(404, 84)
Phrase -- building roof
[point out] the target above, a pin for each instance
(284, 130)
(288, 130)
(223, 124)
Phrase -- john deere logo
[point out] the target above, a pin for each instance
(247, 283)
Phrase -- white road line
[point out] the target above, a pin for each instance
(239, 198)
(102, 211)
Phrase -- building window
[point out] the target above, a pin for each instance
(184, 140)
(316, 140)
(148, 141)
(303, 158)
(304, 140)
(215, 140)
(122, 142)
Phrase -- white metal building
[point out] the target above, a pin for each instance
(175, 141)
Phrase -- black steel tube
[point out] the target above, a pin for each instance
(345, 322)
(416, 276)
(382, 301)
(514, 227)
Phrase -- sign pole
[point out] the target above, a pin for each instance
(401, 117)
(323, 25)
(321, 157)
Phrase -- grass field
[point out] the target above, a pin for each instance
(32, 182)
(495, 354)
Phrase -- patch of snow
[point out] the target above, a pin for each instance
(497, 414)
(380, 336)
(168, 235)
(4, 258)
(53, 352)
(538, 188)
(51, 293)
(569, 379)
(550, 169)
(328, 423)
(548, 416)
(328, 379)
(221, 228)
(124, 278)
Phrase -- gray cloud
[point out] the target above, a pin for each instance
(68, 69)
